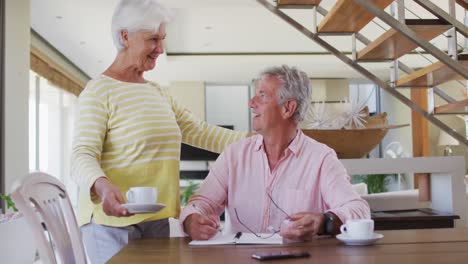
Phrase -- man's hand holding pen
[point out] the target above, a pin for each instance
(200, 226)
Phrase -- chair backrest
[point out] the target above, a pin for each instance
(44, 202)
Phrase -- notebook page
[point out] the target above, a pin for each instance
(249, 238)
(218, 239)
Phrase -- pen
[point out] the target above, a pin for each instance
(198, 209)
(202, 213)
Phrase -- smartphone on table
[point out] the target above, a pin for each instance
(280, 255)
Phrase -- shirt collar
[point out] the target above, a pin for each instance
(296, 143)
(293, 146)
(259, 143)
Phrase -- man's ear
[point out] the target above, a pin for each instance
(124, 38)
(289, 108)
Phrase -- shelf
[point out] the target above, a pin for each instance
(348, 17)
(422, 218)
(392, 45)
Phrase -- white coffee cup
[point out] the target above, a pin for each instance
(142, 195)
(358, 228)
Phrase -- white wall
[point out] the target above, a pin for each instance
(454, 89)
(228, 105)
(397, 114)
(191, 95)
(330, 90)
(319, 90)
(17, 42)
(337, 89)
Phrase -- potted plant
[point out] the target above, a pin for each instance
(376, 183)
(15, 236)
(187, 192)
(9, 202)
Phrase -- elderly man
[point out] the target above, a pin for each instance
(279, 174)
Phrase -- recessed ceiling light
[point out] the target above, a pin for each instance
(207, 44)
(58, 17)
(208, 28)
(82, 42)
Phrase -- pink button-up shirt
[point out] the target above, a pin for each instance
(308, 178)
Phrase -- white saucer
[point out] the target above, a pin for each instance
(359, 241)
(134, 208)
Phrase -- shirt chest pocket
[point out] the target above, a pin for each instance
(298, 200)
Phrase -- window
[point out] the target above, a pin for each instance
(364, 92)
(51, 119)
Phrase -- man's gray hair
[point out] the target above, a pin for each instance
(135, 16)
(295, 84)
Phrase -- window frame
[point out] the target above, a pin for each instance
(2, 112)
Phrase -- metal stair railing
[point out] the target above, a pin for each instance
(354, 64)
(437, 90)
(401, 65)
(413, 36)
(441, 14)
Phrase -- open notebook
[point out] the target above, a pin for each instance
(239, 238)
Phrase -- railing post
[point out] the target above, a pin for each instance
(452, 34)
(394, 68)
(353, 42)
(314, 19)
(398, 12)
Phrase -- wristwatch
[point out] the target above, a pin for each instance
(329, 223)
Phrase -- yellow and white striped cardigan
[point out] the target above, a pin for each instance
(131, 133)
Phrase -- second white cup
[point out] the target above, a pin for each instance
(142, 195)
(358, 228)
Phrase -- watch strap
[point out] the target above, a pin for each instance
(329, 223)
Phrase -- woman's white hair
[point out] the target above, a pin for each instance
(135, 16)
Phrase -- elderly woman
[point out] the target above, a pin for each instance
(129, 133)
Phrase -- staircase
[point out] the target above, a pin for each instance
(348, 17)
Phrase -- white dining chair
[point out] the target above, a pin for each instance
(44, 202)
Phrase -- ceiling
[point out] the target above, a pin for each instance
(217, 41)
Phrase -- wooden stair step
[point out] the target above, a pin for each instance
(392, 45)
(432, 75)
(463, 3)
(347, 16)
(297, 3)
(455, 108)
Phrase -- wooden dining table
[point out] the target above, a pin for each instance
(396, 247)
